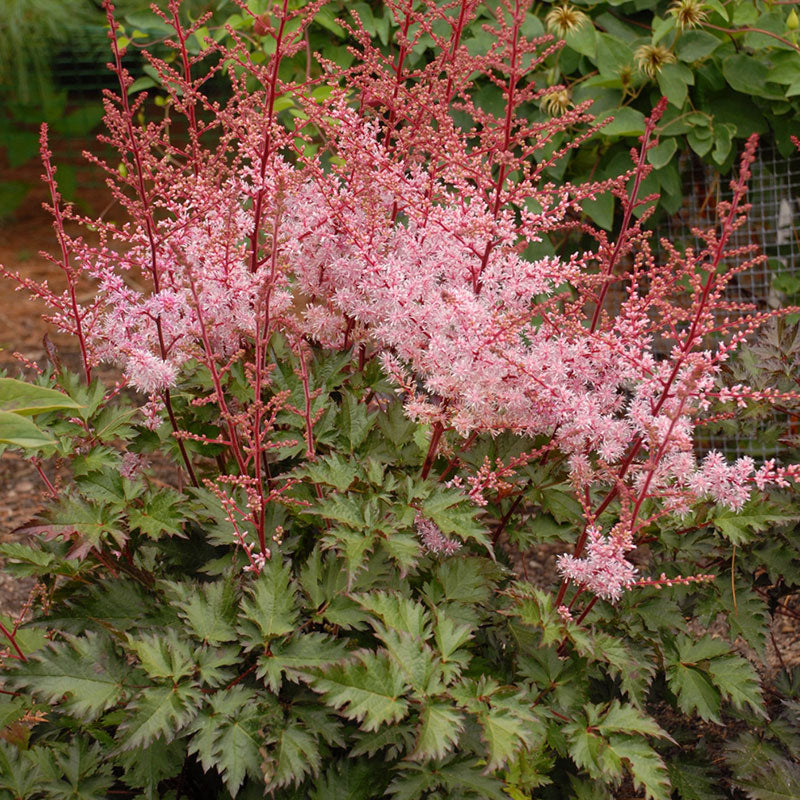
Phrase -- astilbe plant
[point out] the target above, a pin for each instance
(377, 388)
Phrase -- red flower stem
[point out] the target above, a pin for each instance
(626, 220)
(507, 516)
(430, 457)
(501, 178)
(66, 268)
(13, 640)
(589, 607)
(50, 487)
(267, 147)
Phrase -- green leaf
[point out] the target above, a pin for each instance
(737, 679)
(270, 606)
(145, 767)
(21, 432)
(450, 510)
(26, 399)
(506, 734)
(628, 719)
(87, 670)
(356, 421)
(662, 154)
(75, 771)
(397, 612)
(87, 522)
(163, 656)
(209, 609)
(700, 140)
(674, 81)
(661, 27)
(296, 658)
(723, 140)
(20, 772)
(748, 617)
(561, 504)
(600, 210)
(696, 45)
(226, 736)
(693, 781)
(646, 767)
(694, 691)
(162, 513)
(159, 712)
(761, 769)
(745, 73)
(296, 755)
(626, 121)
(368, 690)
(439, 729)
(688, 675)
(344, 509)
(348, 780)
(755, 516)
(583, 39)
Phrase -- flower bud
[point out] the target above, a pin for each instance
(261, 26)
(792, 21)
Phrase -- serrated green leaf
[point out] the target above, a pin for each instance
(20, 771)
(755, 517)
(737, 679)
(368, 690)
(397, 611)
(159, 712)
(506, 733)
(162, 513)
(693, 781)
(344, 509)
(209, 609)
(450, 511)
(226, 736)
(87, 670)
(145, 767)
(628, 719)
(163, 656)
(646, 767)
(334, 471)
(348, 780)
(356, 421)
(298, 656)
(75, 771)
(439, 727)
(296, 755)
(694, 691)
(271, 604)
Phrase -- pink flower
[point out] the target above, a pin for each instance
(132, 464)
(603, 570)
(433, 539)
(149, 373)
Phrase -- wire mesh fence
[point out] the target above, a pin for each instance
(773, 225)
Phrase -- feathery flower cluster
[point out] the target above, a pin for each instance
(433, 538)
(604, 569)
